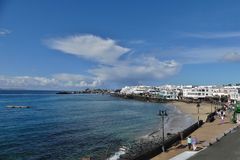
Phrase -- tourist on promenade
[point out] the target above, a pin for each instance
(219, 113)
(189, 142)
(194, 142)
(222, 116)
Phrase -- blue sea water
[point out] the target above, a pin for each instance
(68, 127)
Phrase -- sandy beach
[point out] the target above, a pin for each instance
(205, 133)
(191, 109)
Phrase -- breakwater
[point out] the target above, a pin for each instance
(148, 148)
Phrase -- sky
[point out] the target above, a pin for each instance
(77, 44)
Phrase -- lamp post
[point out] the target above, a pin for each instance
(211, 107)
(163, 113)
(215, 105)
(198, 106)
(220, 102)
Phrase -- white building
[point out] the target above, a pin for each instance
(232, 92)
(168, 94)
(136, 89)
(197, 92)
(189, 91)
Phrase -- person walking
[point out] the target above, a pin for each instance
(194, 143)
(189, 142)
(222, 117)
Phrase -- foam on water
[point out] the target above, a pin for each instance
(175, 122)
(116, 156)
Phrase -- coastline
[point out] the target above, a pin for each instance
(177, 121)
(207, 134)
(188, 107)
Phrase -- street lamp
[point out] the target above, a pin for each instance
(163, 113)
(211, 107)
(198, 106)
(220, 102)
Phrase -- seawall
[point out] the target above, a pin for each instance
(147, 150)
(141, 98)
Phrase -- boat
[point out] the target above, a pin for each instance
(13, 106)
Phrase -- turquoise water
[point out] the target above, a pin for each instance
(72, 126)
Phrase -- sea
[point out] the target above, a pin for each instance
(69, 127)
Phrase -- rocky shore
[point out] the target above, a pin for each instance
(151, 146)
(145, 98)
(149, 149)
(87, 91)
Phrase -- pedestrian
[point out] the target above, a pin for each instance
(222, 117)
(189, 142)
(194, 142)
(219, 113)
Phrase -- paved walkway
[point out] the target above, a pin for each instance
(184, 155)
(207, 133)
(228, 148)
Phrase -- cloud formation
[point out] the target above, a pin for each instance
(205, 54)
(234, 56)
(144, 69)
(58, 81)
(210, 35)
(90, 47)
(110, 67)
(4, 32)
(76, 80)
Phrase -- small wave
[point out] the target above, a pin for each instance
(116, 155)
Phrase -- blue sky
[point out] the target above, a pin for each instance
(74, 44)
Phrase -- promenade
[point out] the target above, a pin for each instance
(209, 132)
(226, 149)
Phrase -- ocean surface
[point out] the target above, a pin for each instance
(68, 127)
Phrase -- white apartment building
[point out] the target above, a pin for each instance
(189, 91)
(168, 94)
(135, 89)
(231, 91)
(197, 92)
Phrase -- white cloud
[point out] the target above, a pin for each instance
(58, 81)
(204, 54)
(146, 69)
(110, 68)
(90, 47)
(25, 82)
(76, 80)
(234, 56)
(210, 35)
(4, 32)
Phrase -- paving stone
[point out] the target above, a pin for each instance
(212, 141)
